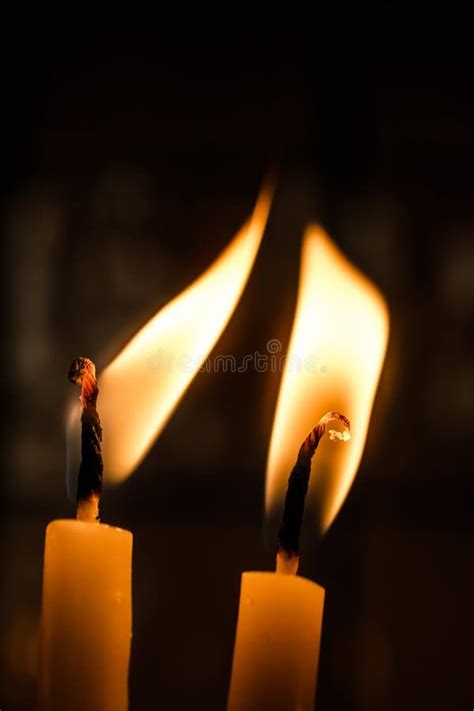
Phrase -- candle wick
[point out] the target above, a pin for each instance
(89, 483)
(287, 560)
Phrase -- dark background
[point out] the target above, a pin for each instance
(130, 157)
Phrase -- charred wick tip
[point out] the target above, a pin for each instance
(290, 527)
(311, 442)
(79, 368)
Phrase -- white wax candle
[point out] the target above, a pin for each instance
(277, 643)
(86, 624)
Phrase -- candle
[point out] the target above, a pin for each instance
(336, 352)
(277, 643)
(280, 615)
(86, 622)
(86, 617)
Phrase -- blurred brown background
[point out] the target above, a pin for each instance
(130, 158)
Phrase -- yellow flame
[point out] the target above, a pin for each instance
(141, 388)
(336, 352)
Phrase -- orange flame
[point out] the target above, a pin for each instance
(335, 357)
(142, 386)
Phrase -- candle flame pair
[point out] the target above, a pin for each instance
(333, 362)
(338, 345)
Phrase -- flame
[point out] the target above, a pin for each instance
(142, 386)
(336, 352)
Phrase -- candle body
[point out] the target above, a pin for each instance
(277, 643)
(86, 623)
